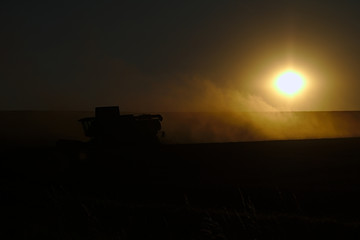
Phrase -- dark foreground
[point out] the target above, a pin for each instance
(304, 189)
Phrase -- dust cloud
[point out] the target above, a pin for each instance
(207, 112)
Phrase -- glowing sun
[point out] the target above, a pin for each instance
(289, 83)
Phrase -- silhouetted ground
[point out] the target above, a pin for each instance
(301, 189)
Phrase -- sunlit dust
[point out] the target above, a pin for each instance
(289, 83)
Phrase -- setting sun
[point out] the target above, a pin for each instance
(289, 83)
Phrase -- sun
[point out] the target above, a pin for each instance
(289, 82)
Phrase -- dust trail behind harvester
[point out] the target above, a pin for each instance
(210, 113)
(258, 126)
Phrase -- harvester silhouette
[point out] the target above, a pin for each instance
(108, 127)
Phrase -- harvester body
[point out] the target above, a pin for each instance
(109, 127)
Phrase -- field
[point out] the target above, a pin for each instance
(265, 189)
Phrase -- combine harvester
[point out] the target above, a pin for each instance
(126, 134)
(109, 128)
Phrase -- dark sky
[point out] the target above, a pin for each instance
(172, 55)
